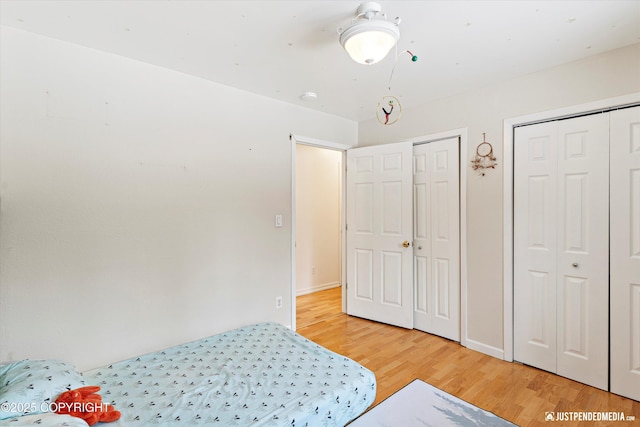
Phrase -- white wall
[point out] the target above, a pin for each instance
(318, 196)
(603, 76)
(137, 203)
(133, 198)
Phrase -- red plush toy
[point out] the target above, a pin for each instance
(85, 403)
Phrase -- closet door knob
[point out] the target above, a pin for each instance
(406, 244)
(575, 264)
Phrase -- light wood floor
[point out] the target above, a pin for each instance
(518, 393)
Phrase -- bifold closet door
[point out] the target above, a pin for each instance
(625, 252)
(436, 238)
(534, 243)
(561, 247)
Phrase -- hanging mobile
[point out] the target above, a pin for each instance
(389, 108)
(484, 158)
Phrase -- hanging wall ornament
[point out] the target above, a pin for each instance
(484, 158)
(389, 108)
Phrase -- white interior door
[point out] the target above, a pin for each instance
(583, 249)
(436, 238)
(561, 247)
(534, 245)
(379, 231)
(625, 252)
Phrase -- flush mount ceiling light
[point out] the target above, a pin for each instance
(370, 36)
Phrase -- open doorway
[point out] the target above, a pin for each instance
(319, 219)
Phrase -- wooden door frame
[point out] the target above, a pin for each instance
(509, 126)
(303, 140)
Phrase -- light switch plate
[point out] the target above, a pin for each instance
(278, 221)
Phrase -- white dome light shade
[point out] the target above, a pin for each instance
(368, 42)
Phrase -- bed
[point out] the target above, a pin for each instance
(259, 375)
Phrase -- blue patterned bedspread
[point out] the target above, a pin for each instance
(260, 375)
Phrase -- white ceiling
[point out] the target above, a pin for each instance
(281, 49)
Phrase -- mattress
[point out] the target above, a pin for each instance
(260, 375)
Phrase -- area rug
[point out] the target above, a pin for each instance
(419, 404)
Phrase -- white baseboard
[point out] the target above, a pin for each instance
(311, 289)
(486, 349)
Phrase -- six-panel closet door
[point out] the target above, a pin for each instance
(625, 252)
(436, 238)
(561, 247)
